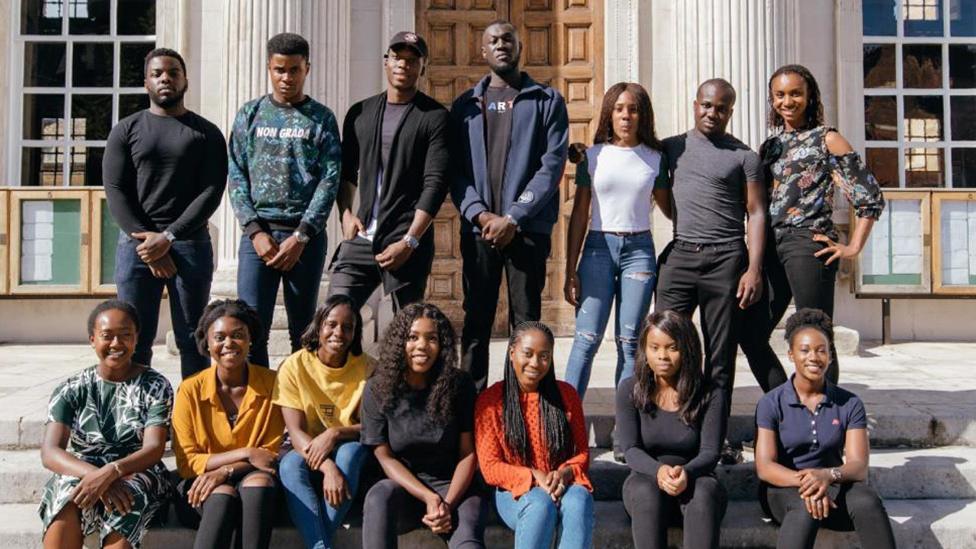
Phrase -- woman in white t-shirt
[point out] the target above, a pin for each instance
(614, 184)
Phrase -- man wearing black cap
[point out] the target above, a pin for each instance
(395, 150)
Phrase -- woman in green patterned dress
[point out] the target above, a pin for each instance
(104, 441)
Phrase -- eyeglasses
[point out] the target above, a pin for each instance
(408, 61)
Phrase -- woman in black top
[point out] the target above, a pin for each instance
(418, 414)
(805, 161)
(671, 427)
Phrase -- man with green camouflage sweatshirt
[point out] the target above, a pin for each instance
(284, 175)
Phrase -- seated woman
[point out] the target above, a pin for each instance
(671, 427)
(104, 441)
(226, 434)
(418, 415)
(532, 445)
(319, 389)
(812, 447)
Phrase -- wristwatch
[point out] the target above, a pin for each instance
(835, 475)
(169, 236)
(301, 237)
(411, 242)
(511, 220)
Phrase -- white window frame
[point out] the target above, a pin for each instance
(946, 144)
(17, 142)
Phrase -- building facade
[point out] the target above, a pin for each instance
(898, 79)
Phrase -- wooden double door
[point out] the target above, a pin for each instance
(563, 48)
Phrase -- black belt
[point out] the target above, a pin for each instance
(624, 233)
(697, 247)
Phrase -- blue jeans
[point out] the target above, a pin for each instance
(257, 285)
(534, 517)
(189, 292)
(612, 267)
(315, 519)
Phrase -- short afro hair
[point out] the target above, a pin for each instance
(112, 305)
(163, 52)
(288, 43)
(810, 318)
(234, 308)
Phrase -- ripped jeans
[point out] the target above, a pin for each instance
(612, 267)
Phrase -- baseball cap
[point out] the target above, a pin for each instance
(411, 40)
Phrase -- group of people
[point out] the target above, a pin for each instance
(751, 233)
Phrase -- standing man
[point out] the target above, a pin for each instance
(284, 175)
(715, 183)
(164, 172)
(395, 150)
(512, 134)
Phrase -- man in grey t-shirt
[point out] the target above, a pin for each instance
(715, 182)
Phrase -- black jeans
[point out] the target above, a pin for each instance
(524, 262)
(792, 273)
(356, 274)
(706, 276)
(389, 510)
(189, 291)
(698, 510)
(242, 521)
(858, 508)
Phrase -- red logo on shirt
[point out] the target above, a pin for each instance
(835, 422)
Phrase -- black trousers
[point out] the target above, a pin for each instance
(390, 510)
(356, 274)
(698, 510)
(792, 273)
(524, 263)
(706, 276)
(858, 508)
(240, 521)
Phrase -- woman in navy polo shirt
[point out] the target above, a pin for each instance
(812, 448)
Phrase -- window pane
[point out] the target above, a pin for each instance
(923, 118)
(878, 17)
(88, 16)
(884, 164)
(962, 66)
(963, 118)
(922, 17)
(880, 119)
(964, 168)
(137, 17)
(42, 166)
(132, 62)
(92, 65)
(41, 16)
(922, 65)
(44, 64)
(132, 103)
(43, 116)
(91, 116)
(962, 18)
(924, 167)
(86, 166)
(879, 65)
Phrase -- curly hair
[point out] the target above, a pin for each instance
(443, 377)
(691, 382)
(815, 112)
(810, 318)
(645, 115)
(234, 308)
(310, 338)
(112, 305)
(552, 409)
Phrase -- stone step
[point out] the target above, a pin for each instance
(947, 472)
(949, 524)
(936, 473)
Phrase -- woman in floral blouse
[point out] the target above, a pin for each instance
(805, 161)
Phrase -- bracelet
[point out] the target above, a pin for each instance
(229, 470)
(118, 469)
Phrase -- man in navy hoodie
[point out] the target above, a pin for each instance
(512, 136)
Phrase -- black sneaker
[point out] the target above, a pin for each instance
(730, 455)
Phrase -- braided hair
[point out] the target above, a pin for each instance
(552, 410)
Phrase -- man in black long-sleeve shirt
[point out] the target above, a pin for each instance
(164, 172)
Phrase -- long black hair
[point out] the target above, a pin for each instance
(691, 383)
(815, 112)
(234, 308)
(645, 115)
(310, 338)
(443, 377)
(552, 410)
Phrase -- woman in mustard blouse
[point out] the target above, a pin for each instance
(226, 434)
